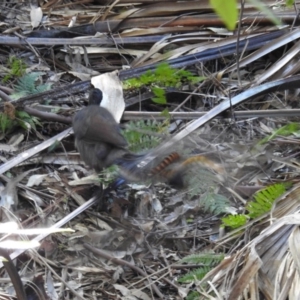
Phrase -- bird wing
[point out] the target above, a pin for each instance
(95, 124)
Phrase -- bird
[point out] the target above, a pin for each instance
(98, 136)
(101, 144)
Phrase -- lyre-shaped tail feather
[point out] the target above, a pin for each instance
(128, 167)
(171, 169)
(131, 170)
(170, 159)
(204, 161)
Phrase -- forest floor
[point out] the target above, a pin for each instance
(227, 103)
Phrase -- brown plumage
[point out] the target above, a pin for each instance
(97, 134)
(172, 169)
(170, 159)
(100, 143)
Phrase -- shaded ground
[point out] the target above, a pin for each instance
(131, 243)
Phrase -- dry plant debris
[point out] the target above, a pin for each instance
(136, 242)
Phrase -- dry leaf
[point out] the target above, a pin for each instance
(36, 15)
(111, 87)
(36, 179)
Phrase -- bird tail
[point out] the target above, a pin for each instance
(171, 169)
(128, 167)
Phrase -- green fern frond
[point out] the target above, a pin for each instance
(204, 183)
(195, 275)
(207, 259)
(165, 113)
(160, 95)
(214, 203)
(139, 141)
(207, 262)
(16, 68)
(108, 175)
(22, 114)
(43, 87)
(235, 221)
(193, 295)
(6, 123)
(262, 203)
(22, 119)
(163, 76)
(195, 175)
(285, 130)
(27, 85)
(264, 199)
(17, 65)
(26, 121)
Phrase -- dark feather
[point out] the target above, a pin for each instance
(95, 124)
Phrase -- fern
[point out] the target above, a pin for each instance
(195, 275)
(203, 258)
(53, 146)
(108, 175)
(165, 113)
(194, 176)
(160, 78)
(262, 203)
(27, 85)
(264, 199)
(6, 123)
(207, 260)
(17, 68)
(23, 117)
(234, 221)
(160, 95)
(209, 201)
(140, 141)
(193, 295)
(214, 203)
(283, 131)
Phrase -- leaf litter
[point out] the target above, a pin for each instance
(133, 242)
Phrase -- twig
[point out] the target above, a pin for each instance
(265, 113)
(28, 153)
(48, 116)
(14, 275)
(5, 97)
